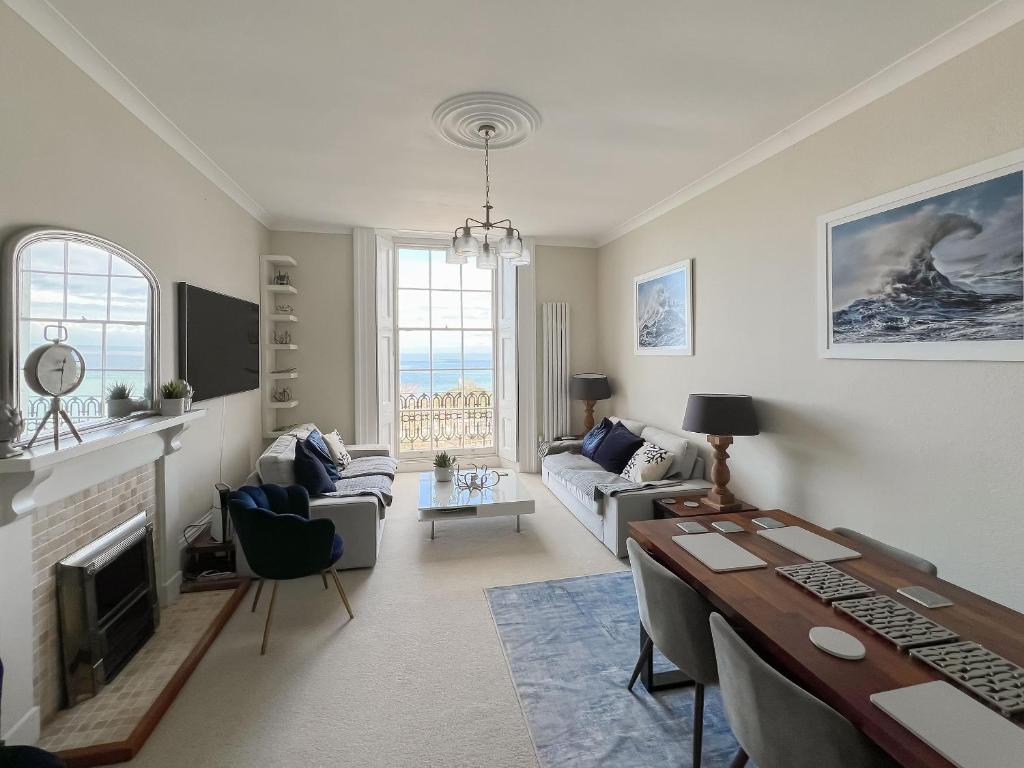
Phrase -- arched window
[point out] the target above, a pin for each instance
(106, 298)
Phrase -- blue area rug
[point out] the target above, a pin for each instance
(571, 645)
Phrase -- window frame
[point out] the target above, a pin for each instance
(430, 244)
(10, 291)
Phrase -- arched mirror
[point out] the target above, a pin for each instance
(108, 302)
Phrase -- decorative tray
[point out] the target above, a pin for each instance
(895, 622)
(825, 582)
(996, 680)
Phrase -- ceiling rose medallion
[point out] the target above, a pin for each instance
(486, 121)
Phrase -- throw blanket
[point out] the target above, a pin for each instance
(371, 485)
(367, 466)
(593, 483)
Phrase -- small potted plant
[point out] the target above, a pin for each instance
(174, 397)
(119, 400)
(444, 467)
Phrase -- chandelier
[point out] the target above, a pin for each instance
(474, 237)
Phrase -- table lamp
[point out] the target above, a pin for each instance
(720, 417)
(589, 387)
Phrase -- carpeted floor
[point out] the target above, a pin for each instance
(418, 678)
(571, 645)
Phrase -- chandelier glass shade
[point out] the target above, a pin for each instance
(473, 239)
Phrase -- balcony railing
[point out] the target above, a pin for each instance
(446, 421)
(82, 410)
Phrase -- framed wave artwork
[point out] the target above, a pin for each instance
(934, 271)
(663, 310)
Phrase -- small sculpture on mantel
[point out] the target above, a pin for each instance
(282, 395)
(282, 337)
(11, 426)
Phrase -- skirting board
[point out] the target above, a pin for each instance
(121, 751)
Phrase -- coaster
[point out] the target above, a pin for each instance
(668, 501)
(691, 503)
(838, 643)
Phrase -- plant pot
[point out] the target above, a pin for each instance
(118, 409)
(173, 407)
(443, 475)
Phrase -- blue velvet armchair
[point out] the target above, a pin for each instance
(281, 542)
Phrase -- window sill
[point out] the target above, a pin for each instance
(43, 475)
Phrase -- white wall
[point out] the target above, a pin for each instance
(325, 332)
(71, 156)
(570, 275)
(926, 455)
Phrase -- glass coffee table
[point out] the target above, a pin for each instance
(445, 501)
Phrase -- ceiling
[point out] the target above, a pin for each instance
(321, 110)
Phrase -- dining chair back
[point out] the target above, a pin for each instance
(777, 723)
(908, 558)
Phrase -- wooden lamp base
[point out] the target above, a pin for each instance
(588, 415)
(720, 497)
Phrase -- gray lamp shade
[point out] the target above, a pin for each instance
(589, 386)
(720, 415)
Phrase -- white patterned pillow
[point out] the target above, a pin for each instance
(337, 448)
(650, 462)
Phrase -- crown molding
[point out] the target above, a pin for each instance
(65, 37)
(974, 30)
(565, 242)
(289, 224)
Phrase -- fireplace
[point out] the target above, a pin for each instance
(108, 607)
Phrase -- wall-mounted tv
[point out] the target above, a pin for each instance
(218, 342)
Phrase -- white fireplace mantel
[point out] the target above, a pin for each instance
(43, 475)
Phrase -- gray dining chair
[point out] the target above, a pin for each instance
(777, 723)
(908, 558)
(675, 619)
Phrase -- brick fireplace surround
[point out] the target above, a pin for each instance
(52, 503)
(59, 529)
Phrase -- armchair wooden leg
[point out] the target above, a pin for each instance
(323, 576)
(270, 615)
(739, 760)
(256, 599)
(341, 591)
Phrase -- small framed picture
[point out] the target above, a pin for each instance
(663, 310)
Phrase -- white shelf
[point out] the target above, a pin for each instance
(286, 261)
(274, 288)
(283, 318)
(285, 375)
(282, 346)
(285, 404)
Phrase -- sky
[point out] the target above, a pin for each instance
(863, 251)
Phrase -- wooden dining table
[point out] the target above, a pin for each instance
(774, 615)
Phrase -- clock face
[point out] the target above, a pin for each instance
(59, 369)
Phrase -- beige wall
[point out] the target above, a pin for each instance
(570, 275)
(325, 334)
(71, 156)
(926, 455)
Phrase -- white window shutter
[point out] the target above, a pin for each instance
(507, 364)
(386, 352)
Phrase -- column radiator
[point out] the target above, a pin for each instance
(556, 373)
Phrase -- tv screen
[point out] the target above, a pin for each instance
(218, 342)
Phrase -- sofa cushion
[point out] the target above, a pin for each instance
(593, 439)
(636, 427)
(337, 448)
(650, 462)
(316, 445)
(556, 462)
(617, 448)
(310, 472)
(277, 463)
(684, 452)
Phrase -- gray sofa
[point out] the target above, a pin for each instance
(608, 517)
(359, 519)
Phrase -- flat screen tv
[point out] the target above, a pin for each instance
(218, 342)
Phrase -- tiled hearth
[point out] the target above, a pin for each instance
(112, 715)
(59, 529)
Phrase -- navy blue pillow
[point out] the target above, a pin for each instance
(617, 449)
(310, 472)
(593, 439)
(316, 445)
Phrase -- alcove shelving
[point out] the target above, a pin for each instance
(278, 369)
